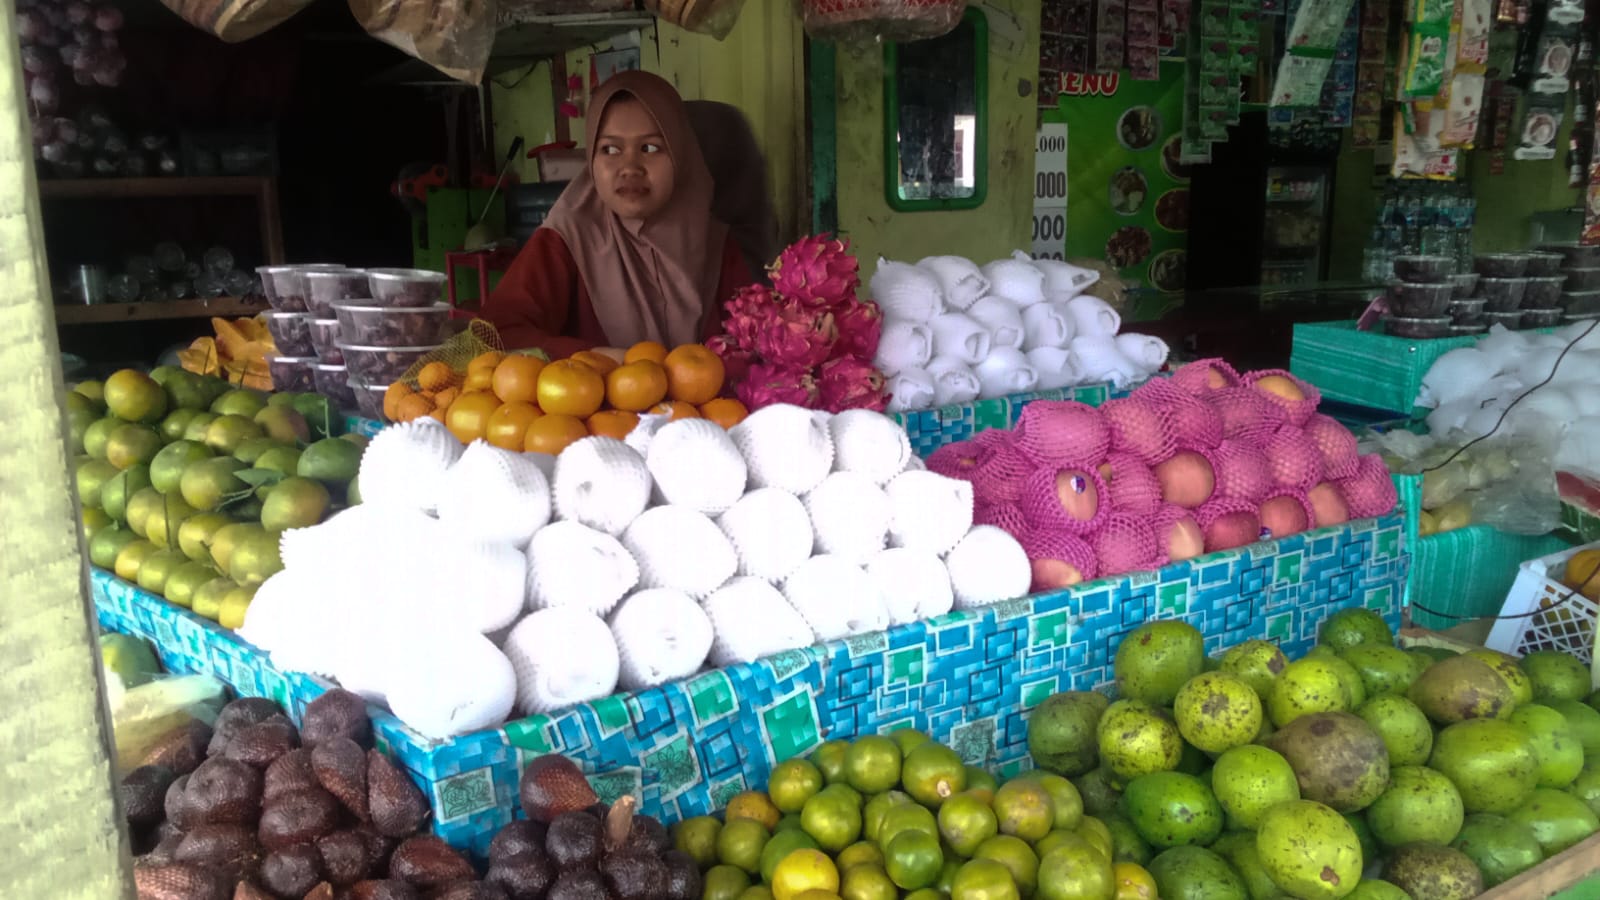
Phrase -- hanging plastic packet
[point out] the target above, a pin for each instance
(1427, 49)
(1565, 12)
(1553, 58)
(1418, 150)
(1477, 22)
(1591, 205)
(1463, 110)
(1541, 122)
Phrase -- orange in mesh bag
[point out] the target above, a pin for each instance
(463, 364)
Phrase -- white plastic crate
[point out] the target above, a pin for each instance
(1559, 622)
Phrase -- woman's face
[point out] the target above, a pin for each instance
(632, 169)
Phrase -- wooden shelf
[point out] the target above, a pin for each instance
(261, 188)
(96, 188)
(102, 313)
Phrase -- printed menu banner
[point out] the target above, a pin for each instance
(1130, 193)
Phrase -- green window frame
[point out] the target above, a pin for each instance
(979, 23)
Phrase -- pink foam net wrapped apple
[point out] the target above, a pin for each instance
(1206, 461)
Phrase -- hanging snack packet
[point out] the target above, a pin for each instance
(1418, 152)
(1557, 48)
(1477, 21)
(1541, 121)
(1463, 110)
(1427, 48)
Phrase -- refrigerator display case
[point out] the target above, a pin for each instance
(1294, 230)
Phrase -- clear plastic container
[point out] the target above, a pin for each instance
(380, 365)
(1503, 294)
(291, 332)
(405, 287)
(1511, 320)
(1541, 318)
(369, 400)
(1544, 264)
(325, 337)
(1419, 327)
(1585, 279)
(285, 286)
(1421, 301)
(323, 289)
(382, 326)
(333, 382)
(291, 373)
(1502, 265)
(1543, 292)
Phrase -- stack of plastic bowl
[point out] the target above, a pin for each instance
(289, 322)
(1465, 309)
(1580, 271)
(383, 336)
(1502, 284)
(323, 290)
(1418, 300)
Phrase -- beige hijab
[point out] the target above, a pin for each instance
(654, 280)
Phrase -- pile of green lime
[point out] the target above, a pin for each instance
(186, 482)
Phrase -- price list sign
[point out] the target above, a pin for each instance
(1050, 192)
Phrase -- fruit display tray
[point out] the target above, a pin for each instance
(1377, 371)
(930, 429)
(967, 678)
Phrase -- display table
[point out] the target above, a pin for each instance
(1377, 371)
(967, 678)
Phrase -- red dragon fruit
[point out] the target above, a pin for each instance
(767, 384)
(795, 337)
(860, 324)
(850, 383)
(817, 272)
(736, 360)
(746, 313)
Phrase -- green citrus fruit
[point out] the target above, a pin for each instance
(143, 502)
(965, 822)
(1017, 857)
(907, 817)
(931, 772)
(913, 859)
(740, 844)
(207, 484)
(698, 838)
(116, 492)
(133, 396)
(833, 818)
(867, 882)
(131, 445)
(779, 847)
(196, 429)
(829, 760)
(792, 783)
(207, 599)
(877, 808)
(98, 434)
(1024, 809)
(861, 853)
(166, 470)
(294, 503)
(107, 543)
(872, 764)
(241, 402)
(724, 882)
(984, 879)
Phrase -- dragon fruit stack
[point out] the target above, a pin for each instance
(1204, 461)
(807, 340)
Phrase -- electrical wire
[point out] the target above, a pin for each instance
(1571, 592)
(1518, 399)
(520, 78)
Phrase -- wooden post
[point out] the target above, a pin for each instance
(60, 824)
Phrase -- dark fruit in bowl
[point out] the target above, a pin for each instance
(298, 818)
(292, 871)
(144, 795)
(237, 716)
(582, 884)
(224, 792)
(426, 862)
(396, 805)
(521, 836)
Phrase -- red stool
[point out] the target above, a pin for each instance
(484, 261)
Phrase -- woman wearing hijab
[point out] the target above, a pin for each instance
(631, 252)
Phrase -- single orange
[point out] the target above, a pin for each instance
(612, 423)
(676, 409)
(481, 380)
(516, 379)
(435, 376)
(651, 350)
(636, 386)
(552, 433)
(392, 397)
(485, 362)
(444, 398)
(508, 425)
(468, 417)
(694, 374)
(724, 411)
(410, 407)
(568, 387)
(437, 415)
(597, 361)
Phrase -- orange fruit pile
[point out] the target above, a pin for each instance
(523, 403)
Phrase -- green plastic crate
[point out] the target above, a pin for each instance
(1466, 573)
(1372, 370)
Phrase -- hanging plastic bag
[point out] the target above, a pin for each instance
(713, 17)
(142, 716)
(235, 20)
(453, 36)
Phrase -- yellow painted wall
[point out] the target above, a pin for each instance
(759, 67)
(1004, 222)
(524, 104)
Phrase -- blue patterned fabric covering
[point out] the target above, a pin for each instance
(968, 678)
(931, 429)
